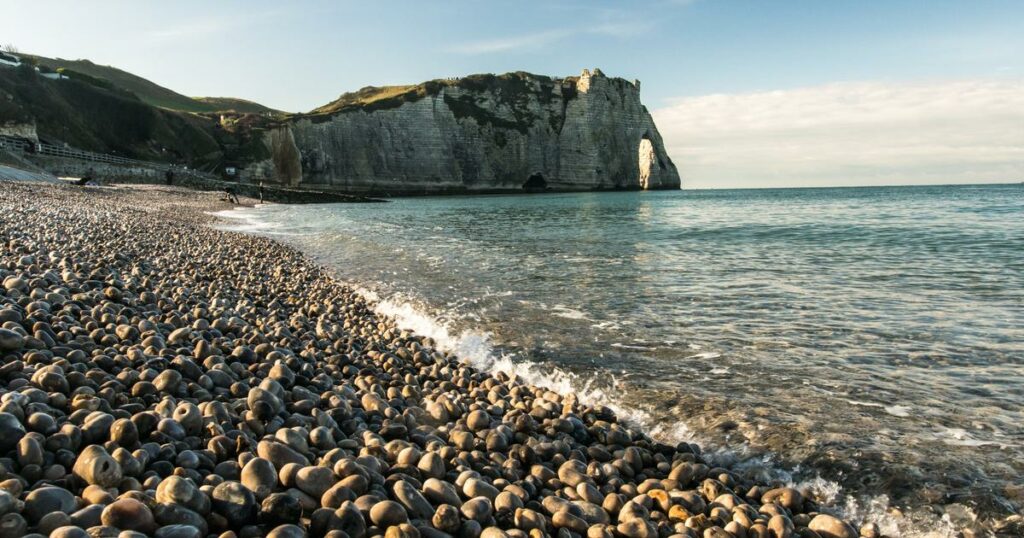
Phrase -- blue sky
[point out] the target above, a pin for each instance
(299, 55)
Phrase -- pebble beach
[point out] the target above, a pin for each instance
(163, 378)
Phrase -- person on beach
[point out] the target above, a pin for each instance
(86, 179)
(231, 196)
(261, 192)
(169, 176)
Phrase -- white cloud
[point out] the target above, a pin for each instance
(537, 40)
(850, 133)
(503, 44)
(207, 25)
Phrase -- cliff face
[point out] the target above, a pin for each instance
(484, 133)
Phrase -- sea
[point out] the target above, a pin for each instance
(864, 343)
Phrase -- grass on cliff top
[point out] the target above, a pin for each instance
(377, 97)
(147, 91)
(373, 98)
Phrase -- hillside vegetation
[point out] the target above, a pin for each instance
(511, 86)
(95, 114)
(148, 91)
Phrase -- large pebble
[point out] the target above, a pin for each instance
(128, 514)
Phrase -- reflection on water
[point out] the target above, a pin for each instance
(870, 336)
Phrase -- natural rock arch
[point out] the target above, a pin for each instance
(647, 159)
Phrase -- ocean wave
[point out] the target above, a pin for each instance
(250, 220)
(475, 348)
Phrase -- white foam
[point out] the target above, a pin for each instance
(568, 313)
(248, 220)
(630, 346)
(476, 349)
(898, 410)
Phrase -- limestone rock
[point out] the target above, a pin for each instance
(482, 133)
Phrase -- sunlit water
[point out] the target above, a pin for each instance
(870, 337)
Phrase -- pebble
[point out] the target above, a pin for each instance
(97, 467)
(446, 519)
(235, 502)
(47, 499)
(315, 481)
(280, 508)
(478, 509)
(174, 381)
(387, 513)
(828, 526)
(128, 514)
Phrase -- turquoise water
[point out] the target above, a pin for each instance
(872, 337)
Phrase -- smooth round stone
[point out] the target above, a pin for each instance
(52, 521)
(474, 487)
(637, 528)
(11, 432)
(47, 499)
(403, 530)
(178, 531)
(97, 467)
(90, 516)
(832, 527)
(472, 529)
(280, 508)
(572, 473)
(264, 404)
(387, 513)
(13, 526)
(280, 454)
(529, 520)
(493, 532)
(791, 498)
(417, 506)
(10, 340)
(315, 480)
(176, 514)
(235, 502)
(69, 531)
(181, 491)
(446, 518)
(564, 520)
(780, 525)
(128, 514)
(287, 531)
(441, 492)
(478, 420)
(260, 477)
(478, 509)
(507, 502)
(431, 465)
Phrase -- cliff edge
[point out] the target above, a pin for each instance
(482, 133)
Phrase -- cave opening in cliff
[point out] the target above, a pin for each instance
(647, 159)
(535, 183)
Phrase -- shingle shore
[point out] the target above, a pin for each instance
(163, 378)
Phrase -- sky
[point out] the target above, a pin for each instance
(754, 93)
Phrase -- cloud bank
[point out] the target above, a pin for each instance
(862, 133)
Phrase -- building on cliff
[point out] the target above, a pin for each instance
(482, 133)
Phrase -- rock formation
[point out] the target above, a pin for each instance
(482, 133)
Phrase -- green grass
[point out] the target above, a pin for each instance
(149, 92)
(234, 104)
(512, 89)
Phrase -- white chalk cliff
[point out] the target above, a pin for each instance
(483, 133)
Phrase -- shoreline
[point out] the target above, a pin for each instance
(236, 338)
